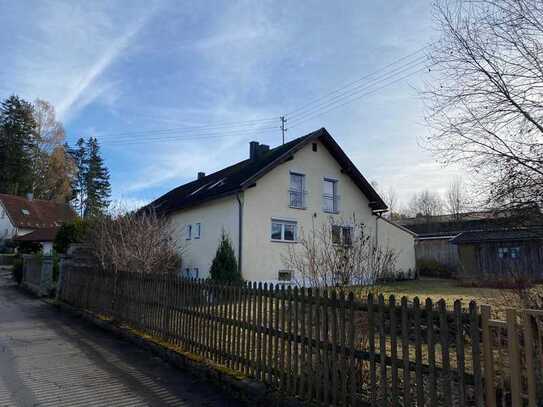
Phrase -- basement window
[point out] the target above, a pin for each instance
(284, 276)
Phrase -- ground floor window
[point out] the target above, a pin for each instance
(191, 272)
(342, 235)
(283, 230)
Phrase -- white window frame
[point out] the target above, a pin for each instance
(292, 190)
(197, 230)
(284, 222)
(334, 197)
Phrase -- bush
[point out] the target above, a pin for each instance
(433, 268)
(17, 269)
(225, 265)
(69, 233)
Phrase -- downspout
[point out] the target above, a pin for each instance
(240, 229)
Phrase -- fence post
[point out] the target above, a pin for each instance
(60, 281)
(490, 390)
(529, 351)
(514, 357)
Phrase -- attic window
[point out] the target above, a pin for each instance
(314, 147)
(25, 212)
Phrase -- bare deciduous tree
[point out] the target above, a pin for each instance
(486, 106)
(53, 168)
(338, 255)
(425, 204)
(455, 199)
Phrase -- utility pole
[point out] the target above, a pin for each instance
(283, 128)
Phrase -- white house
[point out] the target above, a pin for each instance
(264, 202)
(32, 220)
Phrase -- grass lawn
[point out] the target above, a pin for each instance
(449, 290)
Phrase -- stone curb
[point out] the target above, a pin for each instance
(248, 391)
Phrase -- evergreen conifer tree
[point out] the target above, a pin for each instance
(17, 145)
(225, 265)
(98, 188)
(79, 156)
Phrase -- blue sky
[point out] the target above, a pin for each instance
(125, 71)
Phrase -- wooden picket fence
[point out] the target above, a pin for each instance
(320, 346)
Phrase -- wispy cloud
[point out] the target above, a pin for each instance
(83, 91)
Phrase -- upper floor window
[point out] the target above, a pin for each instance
(330, 196)
(189, 232)
(296, 191)
(284, 230)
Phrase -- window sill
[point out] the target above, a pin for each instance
(332, 212)
(283, 241)
(298, 207)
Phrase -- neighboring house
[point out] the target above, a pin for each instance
(500, 254)
(32, 220)
(264, 202)
(436, 233)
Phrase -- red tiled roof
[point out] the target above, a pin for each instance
(39, 235)
(36, 213)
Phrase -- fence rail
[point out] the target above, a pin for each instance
(318, 345)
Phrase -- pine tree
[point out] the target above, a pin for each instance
(225, 265)
(17, 145)
(79, 189)
(98, 188)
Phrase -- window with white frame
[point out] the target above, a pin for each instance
(296, 191)
(197, 230)
(283, 230)
(330, 196)
(342, 235)
(188, 231)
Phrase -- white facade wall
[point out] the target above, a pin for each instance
(263, 258)
(213, 217)
(7, 230)
(400, 240)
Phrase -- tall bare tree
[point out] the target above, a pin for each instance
(485, 107)
(53, 168)
(455, 198)
(425, 204)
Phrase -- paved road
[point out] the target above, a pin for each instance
(50, 359)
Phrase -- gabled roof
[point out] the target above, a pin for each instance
(501, 235)
(36, 213)
(242, 175)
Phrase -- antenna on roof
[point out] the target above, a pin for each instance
(283, 128)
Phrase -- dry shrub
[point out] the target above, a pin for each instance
(321, 260)
(137, 242)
